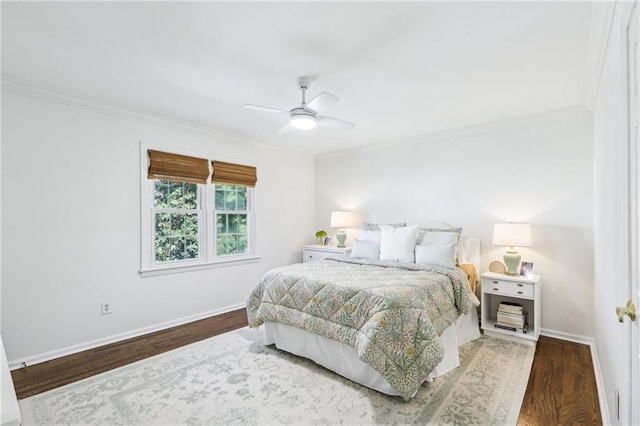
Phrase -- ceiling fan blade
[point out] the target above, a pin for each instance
(334, 123)
(322, 102)
(267, 109)
(287, 128)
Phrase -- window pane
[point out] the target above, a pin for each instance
(242, 224)
(221, 245)
(160, 198)
(230, 200)
(233, 223)
(192, 248)
(233, 242)
(175, 195)
(219, 198)
(163, 224)
(243, 245)
(162, 249)
(176, 236)
(232, 230)
(190, 196)
(221, 224)
(242, 198)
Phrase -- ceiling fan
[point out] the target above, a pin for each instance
(307, 115)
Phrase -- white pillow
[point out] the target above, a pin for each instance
(398, 243)
(372, 235)
(371, 231)
(437, 254)
(365, 249)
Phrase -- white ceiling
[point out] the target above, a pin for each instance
(399, 69)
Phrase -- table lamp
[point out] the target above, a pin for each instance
(341, 219)
(512, 235)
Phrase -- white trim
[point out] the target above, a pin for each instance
(235, 261)
(576, 338)
(473, 129)
(48, 356)
(38, 91)
(604, 407)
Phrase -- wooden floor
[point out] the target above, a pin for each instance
(61, 371)
(562, 386)
(561, 389)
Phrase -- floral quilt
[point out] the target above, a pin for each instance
(391, 313)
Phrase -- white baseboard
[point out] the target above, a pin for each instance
(585, 340)
(604, 407)
(70, 350)
(576, 338)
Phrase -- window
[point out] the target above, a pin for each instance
(231, 217)
(177, 220)
(189, 223)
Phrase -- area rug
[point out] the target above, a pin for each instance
(233, 379)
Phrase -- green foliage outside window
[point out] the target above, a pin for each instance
(177, 220)
(231, 227)
(176, 230)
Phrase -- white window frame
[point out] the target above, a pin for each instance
(207, 257)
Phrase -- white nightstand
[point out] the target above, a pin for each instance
(499, 287)
(317, 252)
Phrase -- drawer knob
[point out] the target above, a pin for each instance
(520, 285)
(519, 292)
(495, 282)
(496, 289)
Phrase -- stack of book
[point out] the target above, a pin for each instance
(511, 316)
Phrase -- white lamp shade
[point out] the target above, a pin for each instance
(341, 219)
(512, 234)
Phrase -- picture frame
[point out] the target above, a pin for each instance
(526, 269)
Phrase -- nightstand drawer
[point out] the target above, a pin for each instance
(319, 252)
(511, 288)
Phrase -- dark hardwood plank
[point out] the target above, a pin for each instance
(561, 388)
(48, 375)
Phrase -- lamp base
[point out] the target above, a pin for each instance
(341, 236)
(512, 260)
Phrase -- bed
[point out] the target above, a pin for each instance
(386, 323)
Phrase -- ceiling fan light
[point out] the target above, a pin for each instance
(303, 122)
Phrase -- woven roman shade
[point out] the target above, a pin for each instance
(233, 174)
(179, 168)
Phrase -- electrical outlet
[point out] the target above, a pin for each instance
(106, 308)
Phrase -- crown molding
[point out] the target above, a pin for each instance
(35, 90)
(473, 129)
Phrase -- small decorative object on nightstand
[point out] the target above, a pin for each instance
(320, 235)
(317, 252)
(520, 299)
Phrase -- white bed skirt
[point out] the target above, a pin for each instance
(343, 359)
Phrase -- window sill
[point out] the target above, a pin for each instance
(178, 269)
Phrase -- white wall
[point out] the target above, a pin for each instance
(611, 210)
(537, 170)
(71, 227)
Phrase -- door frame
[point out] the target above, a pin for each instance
(631, 334)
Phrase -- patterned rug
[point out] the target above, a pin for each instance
(235, 379)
